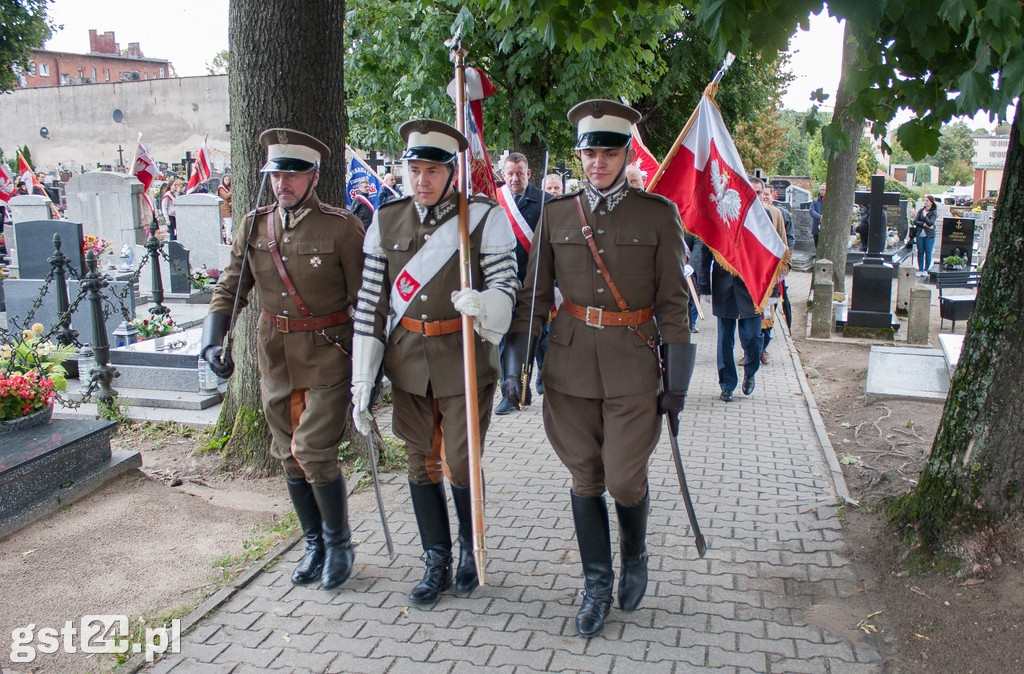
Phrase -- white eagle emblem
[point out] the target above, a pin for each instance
(316, 261)
(727, 201)
(405, 286)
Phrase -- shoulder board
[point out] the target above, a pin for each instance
(565, 195)
(262, 210)
(649, 195)
(334, 210)
(391, 202)
(481, 199)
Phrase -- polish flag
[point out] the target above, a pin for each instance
(644, 160)
(200, 170)
(144, 168)
(705, 178)
(7, 188)
(478, 87)
(27, 175)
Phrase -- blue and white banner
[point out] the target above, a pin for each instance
(357, 172)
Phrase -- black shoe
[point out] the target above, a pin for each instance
(540, 387)
(590, 517)
(430, 506)
(436, 579)
(726, 396)
(694, 329)
(338, 549)
(748, 385)
(504, 407)
(311, 565)
(466, 578)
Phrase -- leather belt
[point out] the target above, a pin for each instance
(289, 324)
(596, 317)
(432, 328)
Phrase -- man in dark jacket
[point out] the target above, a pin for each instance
(732, 304)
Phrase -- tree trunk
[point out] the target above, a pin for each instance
(975, 476)
(841, 174)
(287, 60)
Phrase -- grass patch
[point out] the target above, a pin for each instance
(254, 548)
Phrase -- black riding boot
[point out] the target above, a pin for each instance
(312, 562)
(337, 536)
(590, 514)
(431, 509)
(633, 550)
(466, 579)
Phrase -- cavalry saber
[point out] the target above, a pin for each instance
(476, 486)
(371, 450)
(526, 369)
(226, 350)
(673, 434)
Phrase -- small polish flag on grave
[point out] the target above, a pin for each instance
(144, 168)
(200, 170)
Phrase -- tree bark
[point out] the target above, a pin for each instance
(287, 59)
(841, 174)
(974, 476)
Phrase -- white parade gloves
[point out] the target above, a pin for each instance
(491, 308)
(687, 270)
(367, 354)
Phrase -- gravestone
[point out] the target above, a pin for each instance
(779, 186)
(897, 216)
(109, 205)
(21, 296)
(170, 363)
(33, 245)
(871, 300)
(179, 271)
(30, 207)
(199, 225)
(958, 239)
(797, 196)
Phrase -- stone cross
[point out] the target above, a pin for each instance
(876, 200)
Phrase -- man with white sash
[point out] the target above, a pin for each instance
(522, 202)
(409, 319)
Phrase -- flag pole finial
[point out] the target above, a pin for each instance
(729, 58)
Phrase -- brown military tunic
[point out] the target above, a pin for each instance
(305, 376)
(601, 385)
(426, 372)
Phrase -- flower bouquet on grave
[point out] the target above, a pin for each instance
(201, 278)
(155, 326)
(31, 372)
(96, 244)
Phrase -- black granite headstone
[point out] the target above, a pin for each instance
(871, 302)
(779, 186)
(876, 200)
(179, 268)
(34, 242)
(897, 215)
(957, 239)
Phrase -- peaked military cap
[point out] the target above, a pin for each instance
(601, 123)
(431, 140)
(291, 151)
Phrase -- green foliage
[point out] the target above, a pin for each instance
(114, 410)
(867, 163)
(24, 26)
(905, 192)
(795, 160)
(255, 548)
(220, 65)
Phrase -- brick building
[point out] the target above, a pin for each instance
(103, 63)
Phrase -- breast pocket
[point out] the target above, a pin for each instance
(570, 251)
(316, 253)
(397, 249)
(636, 250)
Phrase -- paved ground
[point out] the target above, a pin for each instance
(765, 484)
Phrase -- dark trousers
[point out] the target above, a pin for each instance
(751, 341)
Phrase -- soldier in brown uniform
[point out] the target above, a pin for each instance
(601, 372)
(408, 318)
(306, 259)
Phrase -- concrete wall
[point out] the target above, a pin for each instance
(173, 116)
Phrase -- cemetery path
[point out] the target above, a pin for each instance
(791, 583)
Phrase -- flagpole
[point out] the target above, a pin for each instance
(476, 487)
(711, 90)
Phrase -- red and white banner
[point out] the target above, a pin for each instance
(7, 187)
(478, 87)
(200, 170)
(520, 227)
(145, 168)
(28, 176)
(644, 160)
(706, 180)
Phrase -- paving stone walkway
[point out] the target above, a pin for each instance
(766, 487)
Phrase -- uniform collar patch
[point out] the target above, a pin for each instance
(611, 198)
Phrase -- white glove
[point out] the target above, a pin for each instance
(367, 354)
(687, 270)
(361, 416)
(492, 308)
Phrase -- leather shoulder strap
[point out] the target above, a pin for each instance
(588, 234)
(282, 272)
